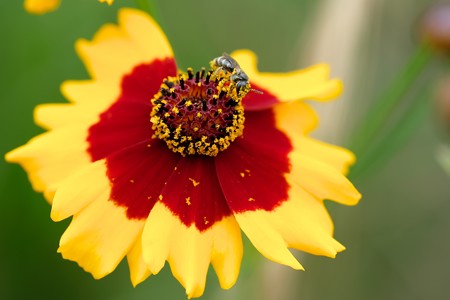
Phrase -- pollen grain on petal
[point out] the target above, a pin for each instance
(194, 182)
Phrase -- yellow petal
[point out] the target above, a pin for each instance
(39, 7)
(266, 239)
(99, 237)
(92, 96)
(79, 190)
(52, 116)
(138, 269)
(106, 48)
(107, 1)
(337, 157)
(120, 45)
(89, 99)
(51, 157)
(296, 119)
(227, 251)
(189, 251)
(322, 180)
(145, 33)
(81, 91)
(301, 222)
(309, 83)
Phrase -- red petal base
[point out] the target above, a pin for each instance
(200, 190)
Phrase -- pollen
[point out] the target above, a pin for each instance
(188, 200)
(194, 114)
(194, 183)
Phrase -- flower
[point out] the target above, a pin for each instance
(39, 7)
(435, 27)
(118, 159)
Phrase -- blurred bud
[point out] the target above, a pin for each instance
(443, 100)
(39, 7)
(435, 27)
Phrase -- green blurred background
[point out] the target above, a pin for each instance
(397, 237)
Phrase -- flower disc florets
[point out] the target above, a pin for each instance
(194, 114)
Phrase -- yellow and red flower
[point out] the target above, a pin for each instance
(39, 7)
(103, 164)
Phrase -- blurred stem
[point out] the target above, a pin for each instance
(443, 157)
(150, 7)
(385, 105)
(394, 139)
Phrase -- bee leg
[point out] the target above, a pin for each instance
(242, 87)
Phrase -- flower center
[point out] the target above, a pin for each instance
(195, 114)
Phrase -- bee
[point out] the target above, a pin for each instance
(230, 67)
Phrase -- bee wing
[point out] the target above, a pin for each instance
(233, 63)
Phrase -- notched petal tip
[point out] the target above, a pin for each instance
(339, 247)
(70, 253)
(227, 251)
(189, 251)
(138, 269)
(322, 180)
(301, 222)
(79, 190)
(137, 39)
(22, 155)
(81, 46)
(138, 279)
(99, 237)
(194, 292)
(266, 238)
(52, 116)
(145, 33)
